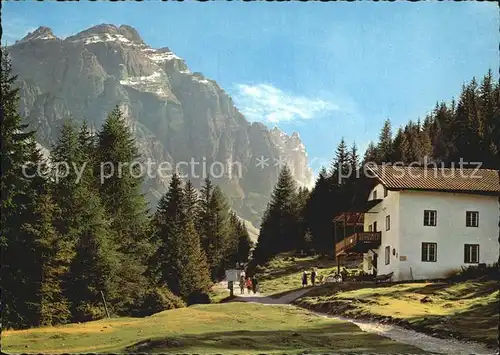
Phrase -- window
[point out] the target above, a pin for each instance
(387, 255)
(385, 192)
(375, 226)
(430, 218)
(370, 228)
(472, 219)
(471, 253)
(387, 223)
(429, 251)
(374, 195)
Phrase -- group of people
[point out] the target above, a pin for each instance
(248, 282)
(305, 277)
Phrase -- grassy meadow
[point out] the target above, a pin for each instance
(236, 328)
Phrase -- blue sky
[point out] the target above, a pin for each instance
(325, 70)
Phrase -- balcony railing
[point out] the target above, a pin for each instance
(359, 242)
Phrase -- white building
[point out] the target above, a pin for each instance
(423, 223)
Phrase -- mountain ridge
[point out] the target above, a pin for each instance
(176, 114)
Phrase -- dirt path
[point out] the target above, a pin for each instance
(259, 298)
(399, 334)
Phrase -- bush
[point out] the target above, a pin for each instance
(472, 272)
(452, 273)
(156, 300)
(85, 312)
(198, 298)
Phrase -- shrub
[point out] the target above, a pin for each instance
(452, 273)
(485, 272)
(85, 312)
(198, 298)
(156, 300)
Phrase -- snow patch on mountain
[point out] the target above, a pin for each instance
(154, 83)
(161, 57)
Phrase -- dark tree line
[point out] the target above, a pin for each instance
(69, 237)
(467, 130)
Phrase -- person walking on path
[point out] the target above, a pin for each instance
(254, 285)
(304, 279)
(249, 284)
(242, 284)
(313, 276)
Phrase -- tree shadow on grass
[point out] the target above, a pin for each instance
(340, 337)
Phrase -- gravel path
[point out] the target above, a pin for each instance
(259, 298)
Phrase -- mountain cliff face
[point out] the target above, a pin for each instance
(178, 117)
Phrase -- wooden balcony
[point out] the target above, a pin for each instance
(358, 243)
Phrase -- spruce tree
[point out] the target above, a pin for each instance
(54, 254)
(205, 224)
(384, 147)
(353, 158)
(371, 154)
(180, 259)
(194, 277)
(244, 243)
(19, 274)
(218, 234)
(83, 225)
(319, 209)
(120, 190)
(169, 219)
(301, 222)
(278, 229)
(340, 164)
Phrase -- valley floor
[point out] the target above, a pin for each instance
(235, 328)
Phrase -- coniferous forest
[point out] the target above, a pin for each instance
(70, 240)
(466, 130)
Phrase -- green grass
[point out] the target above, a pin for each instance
(283, 273)
(218, 294)
(243, 328)
(468, 310)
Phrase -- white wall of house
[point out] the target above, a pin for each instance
(450, 233)
(389, 206)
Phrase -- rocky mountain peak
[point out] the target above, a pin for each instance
(41, 33)
(130, 33)
(125, 35)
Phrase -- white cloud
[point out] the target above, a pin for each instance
(265, 102)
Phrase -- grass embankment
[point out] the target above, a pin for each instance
(283, 273)
(243, 328)
(466, 310)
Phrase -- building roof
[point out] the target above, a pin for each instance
(480, 181)
(350, 218)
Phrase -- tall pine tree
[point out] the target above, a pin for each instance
(20, 187)
(120, 189)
